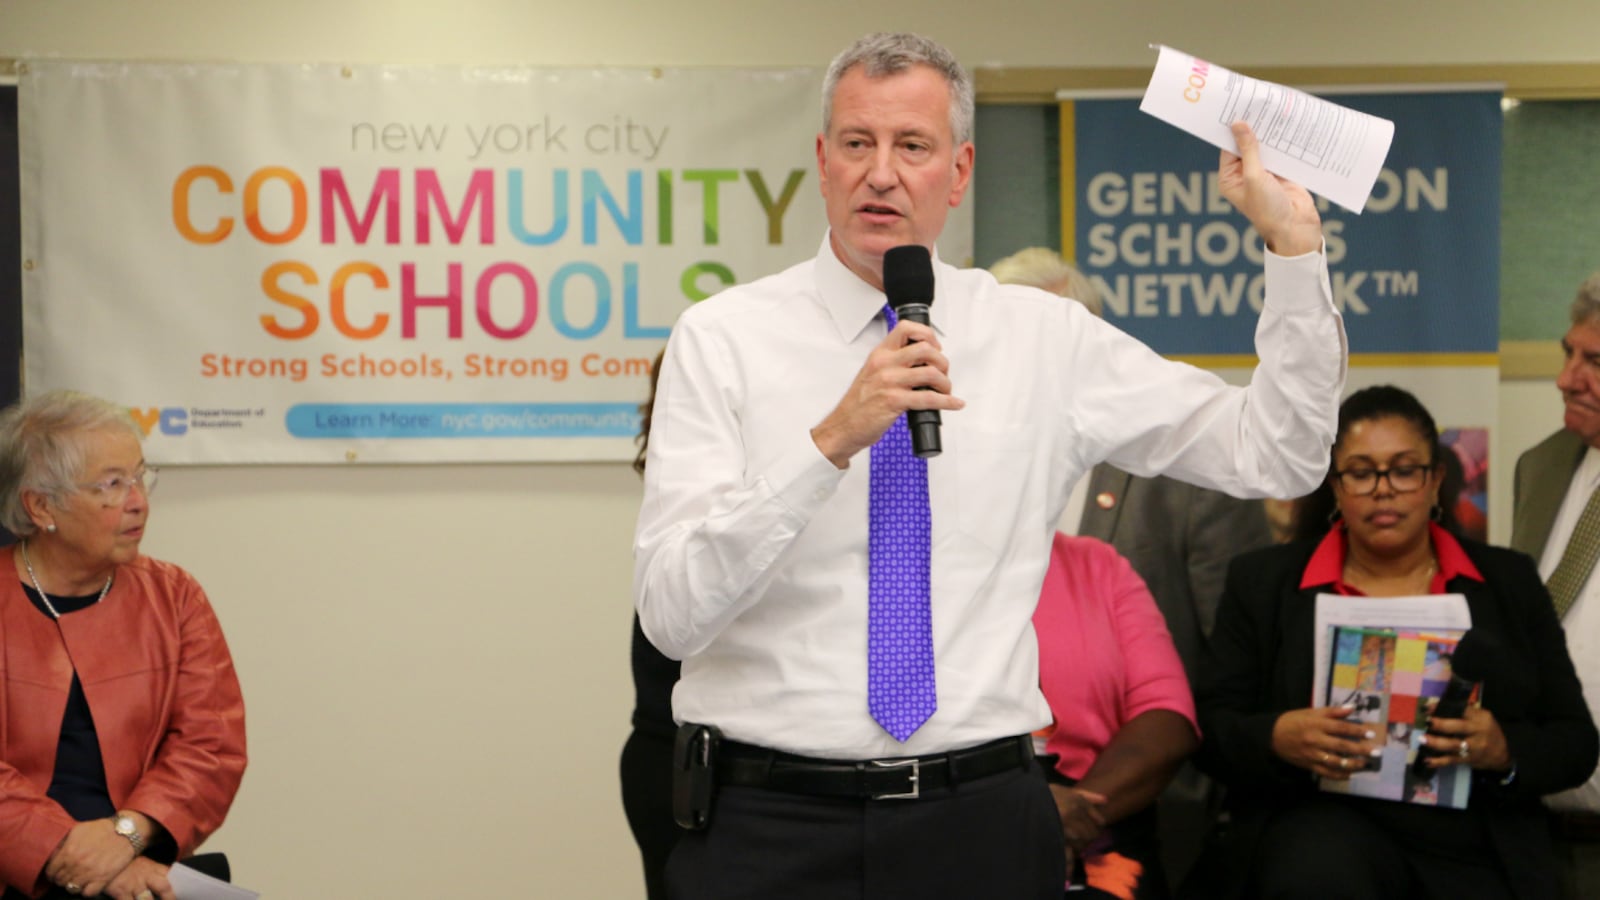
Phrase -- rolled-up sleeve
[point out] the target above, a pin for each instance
(1151, 416)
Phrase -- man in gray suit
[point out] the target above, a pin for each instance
(1178, 537)
(1554, 483)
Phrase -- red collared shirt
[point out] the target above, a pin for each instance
(1327, 563)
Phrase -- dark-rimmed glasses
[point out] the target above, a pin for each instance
(1359, 481)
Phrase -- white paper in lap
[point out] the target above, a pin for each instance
(1429, 612)
(189, 884)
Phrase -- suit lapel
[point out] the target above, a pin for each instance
(1097, 520)
(1549, 474)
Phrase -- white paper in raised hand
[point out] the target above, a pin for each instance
(189, 884)
(1326, 148)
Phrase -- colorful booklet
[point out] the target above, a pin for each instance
(1393, 678)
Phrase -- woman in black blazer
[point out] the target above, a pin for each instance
(1531, 736)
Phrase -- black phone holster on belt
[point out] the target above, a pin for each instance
(694, 782)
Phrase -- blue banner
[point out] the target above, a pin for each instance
(1417, 273)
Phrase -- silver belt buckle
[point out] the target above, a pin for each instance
(915, 777)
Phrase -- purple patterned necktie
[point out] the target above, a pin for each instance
(900, 687)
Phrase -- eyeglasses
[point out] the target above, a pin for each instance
(113, 491)
(1363, 480)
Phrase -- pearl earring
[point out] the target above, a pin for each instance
(50, 528)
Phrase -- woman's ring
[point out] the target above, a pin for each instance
(1323, 758)
(144, 895)
(1344, 762)
(72, 887)
(1463, 750)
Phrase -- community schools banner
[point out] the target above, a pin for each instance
(426, 264)
(1418, 272)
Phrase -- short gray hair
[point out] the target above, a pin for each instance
(883, 54)
(1044, 268)
(1586, 306)
(42, 448)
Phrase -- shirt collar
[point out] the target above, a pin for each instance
(852, 304)
(1588, 474)
(1326, 566)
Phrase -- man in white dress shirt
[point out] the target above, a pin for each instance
(1554, 482)
(751, 553)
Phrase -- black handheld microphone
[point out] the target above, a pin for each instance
(1468, 666)
(908, 285)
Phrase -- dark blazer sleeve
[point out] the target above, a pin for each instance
(1254, 656)
(1535, 693)
(1220, 528)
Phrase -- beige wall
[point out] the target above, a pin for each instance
(435, 658)
(739, 32)
(1530, 409)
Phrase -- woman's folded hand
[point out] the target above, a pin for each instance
(90, 857)
(1320, 741)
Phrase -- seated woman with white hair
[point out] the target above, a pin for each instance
(121, 721)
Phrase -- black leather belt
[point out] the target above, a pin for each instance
(898, 778)
(1576, 827)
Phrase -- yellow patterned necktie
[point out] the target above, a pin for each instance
(1577, 561)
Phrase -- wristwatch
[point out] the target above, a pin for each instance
(126, 827)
